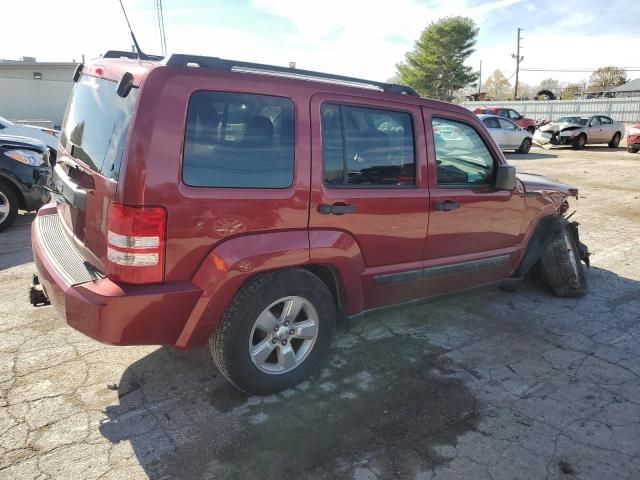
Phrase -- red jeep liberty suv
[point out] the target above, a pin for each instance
(247, 206)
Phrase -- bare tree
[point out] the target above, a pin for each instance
(606, 77)
(497, 86)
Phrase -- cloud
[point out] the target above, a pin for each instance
(352, 37)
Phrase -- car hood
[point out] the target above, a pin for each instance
(557, 127)
(540, 184)
(14, 141)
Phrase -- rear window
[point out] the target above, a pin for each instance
(96, 124)
(238, 140)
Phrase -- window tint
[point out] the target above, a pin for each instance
(491, 122)
(238, 140)
(513, 115)
(606, 120)
(462, 158)
(367, 146)
(503, 113)
(507, 125)
(96, 124)
(595, 121)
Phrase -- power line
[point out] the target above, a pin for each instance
(577, 70)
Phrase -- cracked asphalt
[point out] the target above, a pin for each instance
(482, 385)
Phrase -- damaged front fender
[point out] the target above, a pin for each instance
(583, 250)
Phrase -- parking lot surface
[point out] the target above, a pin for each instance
(484, 384)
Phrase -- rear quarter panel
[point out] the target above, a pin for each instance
(199, 218)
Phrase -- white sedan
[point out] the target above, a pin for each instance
(47, 135)
(579, 131)
(507, 134)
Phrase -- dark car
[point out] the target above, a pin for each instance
(250, 207)
(24, 169)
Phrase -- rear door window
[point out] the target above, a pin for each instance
(491, 122)
(365, 146)
(96, 123)
(238, 140)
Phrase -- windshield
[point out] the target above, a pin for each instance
(574, 120)
(95, 126)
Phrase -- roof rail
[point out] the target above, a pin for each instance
(126, 54)
(181, 60)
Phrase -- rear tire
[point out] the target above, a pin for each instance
(525, 146)
(615, 141)
(560, 266)
(579, 142)
(8, 206)
(240, 337)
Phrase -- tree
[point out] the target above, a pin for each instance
(570, 92)
(607, 77)
(435, 67)
(497, 86)
(525, 91)
(550, 84)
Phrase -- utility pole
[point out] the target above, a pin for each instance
(518, 60)
(480, 80)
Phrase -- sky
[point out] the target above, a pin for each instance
(364, 38)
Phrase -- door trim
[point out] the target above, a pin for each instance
(440, 270)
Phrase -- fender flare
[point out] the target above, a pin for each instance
(539, 240)
(230, 264)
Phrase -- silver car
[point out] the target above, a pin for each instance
(507, 134)
(579, 131)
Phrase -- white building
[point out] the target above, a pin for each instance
(31, 90)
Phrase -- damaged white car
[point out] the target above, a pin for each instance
(579, 131)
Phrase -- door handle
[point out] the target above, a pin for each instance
(446, 205)
(336, 209)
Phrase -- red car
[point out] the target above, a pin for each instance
(633, 139)
(250, 207)
(528, 124)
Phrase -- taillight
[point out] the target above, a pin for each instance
(135, 243)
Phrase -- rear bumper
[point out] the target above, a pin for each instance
(103, 310)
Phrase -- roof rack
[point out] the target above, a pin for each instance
(130, 55)
(181, 60)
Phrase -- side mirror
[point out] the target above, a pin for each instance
(505, 177)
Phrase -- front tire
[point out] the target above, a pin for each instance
(632, 149)
(579, 142)
(615, 141)
(8, 206)
(276, 331)
(560, 265)
(525, 146)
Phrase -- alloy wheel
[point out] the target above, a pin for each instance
(5, 207)
(283, 335)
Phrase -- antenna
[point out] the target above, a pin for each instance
(141, 55)
(160, 15)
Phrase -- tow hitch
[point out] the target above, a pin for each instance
(37, 297)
